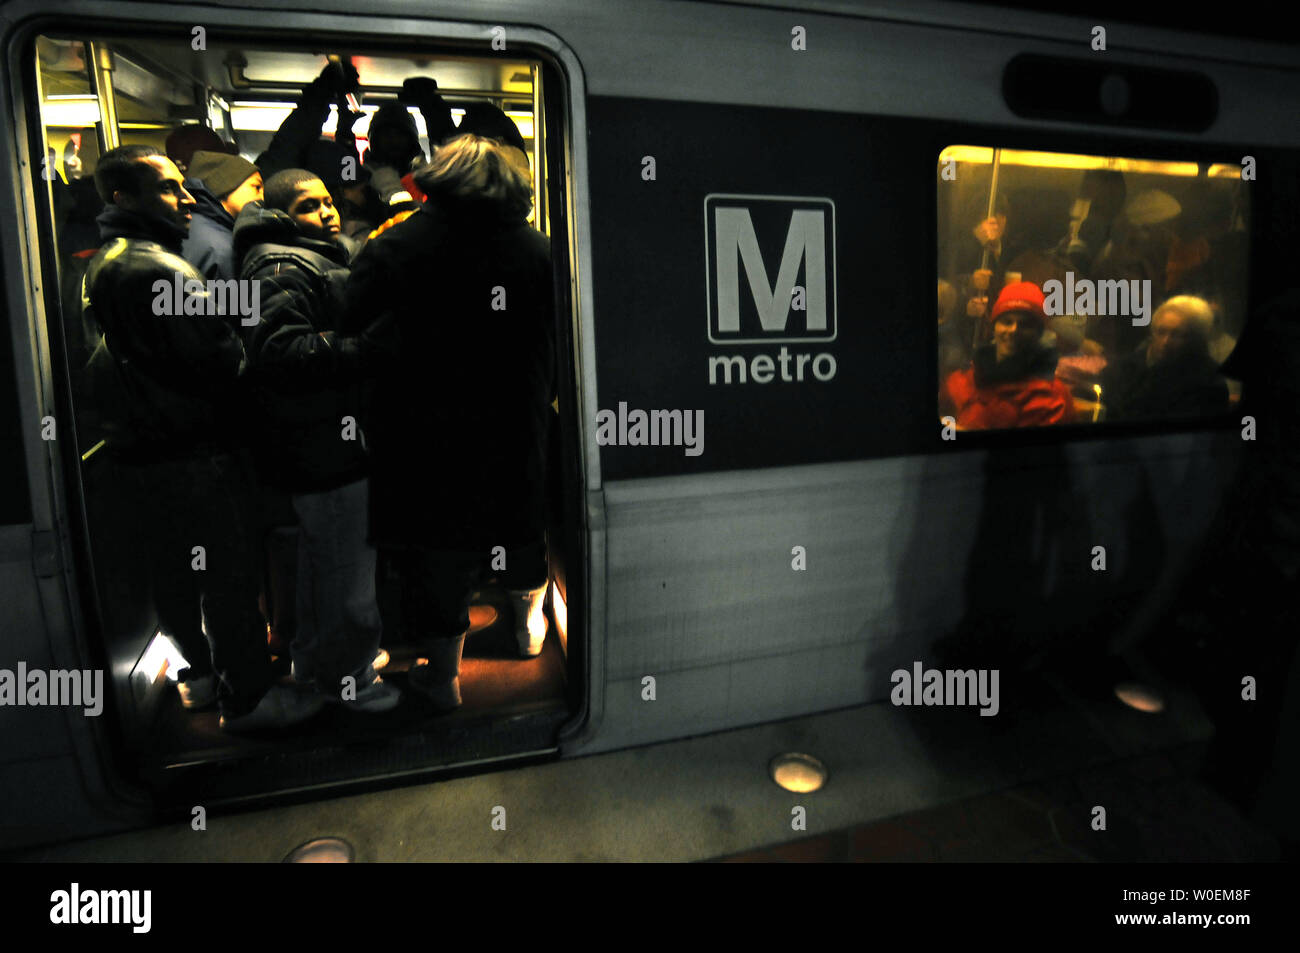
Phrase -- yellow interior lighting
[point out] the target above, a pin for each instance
(524, 121)
(70, 111)
(1064, 160)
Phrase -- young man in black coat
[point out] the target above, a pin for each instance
(460, 409)
(308, 440)
(165, 381)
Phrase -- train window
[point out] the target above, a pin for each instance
(1083, 288)
(367, 124)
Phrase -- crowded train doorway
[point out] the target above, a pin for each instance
(235, 106)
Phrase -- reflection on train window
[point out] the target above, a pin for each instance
(1080, 288)
(369, 130)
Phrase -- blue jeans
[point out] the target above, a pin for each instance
(338, 617)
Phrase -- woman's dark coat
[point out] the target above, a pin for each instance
(461, 301)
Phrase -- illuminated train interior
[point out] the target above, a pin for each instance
(98, 93)
(1141, 233)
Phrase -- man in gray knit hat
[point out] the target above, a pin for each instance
(221, 185)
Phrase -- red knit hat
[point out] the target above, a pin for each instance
(187, 140)
(1022, 296)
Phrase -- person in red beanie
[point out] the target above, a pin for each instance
(1012, 380)
(184, 141)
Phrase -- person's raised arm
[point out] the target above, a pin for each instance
(302, 127)
(422, 93)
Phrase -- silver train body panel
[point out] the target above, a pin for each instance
(689, 578)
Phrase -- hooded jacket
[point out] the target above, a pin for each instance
(209, 245)
(164, 383)
(303, 374)
(1021, 391)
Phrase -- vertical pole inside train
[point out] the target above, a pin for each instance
(539, 178)
(45, 142)
(984, 258)
(99, 62)
(993, 200)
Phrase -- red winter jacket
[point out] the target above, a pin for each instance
(1033, 400)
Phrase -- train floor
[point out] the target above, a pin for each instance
(510, 704)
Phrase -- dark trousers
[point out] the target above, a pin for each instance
(435, 585)
(526, 567)
(435, 588)
(280, 577)
(206, 502)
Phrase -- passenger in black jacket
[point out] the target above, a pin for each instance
(308, 442)
(165, 379)
(459, 421)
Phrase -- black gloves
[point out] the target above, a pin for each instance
(361, 355)
(419, 91)
(335, 81)
(341, 78)
(422, 93)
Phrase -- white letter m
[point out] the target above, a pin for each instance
(805, 239)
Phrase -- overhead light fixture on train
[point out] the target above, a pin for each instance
(257, 116)
(1218, 171)
(798, 773)
(1064, 160)
(72, 111)
(524, 122)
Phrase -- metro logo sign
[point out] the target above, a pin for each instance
(799, 305)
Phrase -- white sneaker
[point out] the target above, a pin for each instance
(280, 707)
(530, 620)
(378, 696)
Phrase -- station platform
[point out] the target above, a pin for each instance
(905, 784)
(1159, 812)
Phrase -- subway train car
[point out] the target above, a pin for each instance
(766, 493)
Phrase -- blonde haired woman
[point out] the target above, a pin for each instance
(458, 300)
